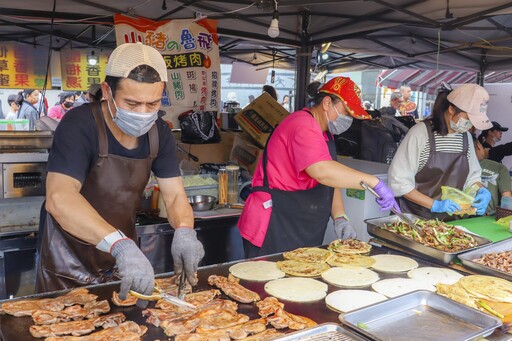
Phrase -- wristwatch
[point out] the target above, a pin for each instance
(106, 243)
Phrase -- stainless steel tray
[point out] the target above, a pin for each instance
(322, 332)
(467, 258)
(420, 315)
(375, 230)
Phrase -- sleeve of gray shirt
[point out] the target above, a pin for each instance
(475, 171)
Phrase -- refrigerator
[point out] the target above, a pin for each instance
(359, 204)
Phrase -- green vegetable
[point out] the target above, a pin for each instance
(362, 325)
(489, 309)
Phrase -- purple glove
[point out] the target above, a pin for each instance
(387, 197)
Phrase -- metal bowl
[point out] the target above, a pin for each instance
(202, 202)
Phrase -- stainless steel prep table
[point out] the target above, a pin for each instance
(16, 328)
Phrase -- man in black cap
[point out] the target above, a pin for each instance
(490, 137)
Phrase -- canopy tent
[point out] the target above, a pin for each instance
(445, 35)
(429, 80)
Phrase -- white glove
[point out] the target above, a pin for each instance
(343, 229)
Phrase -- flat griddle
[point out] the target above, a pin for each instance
(16, 328)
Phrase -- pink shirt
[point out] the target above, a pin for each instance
(297, 143)
(57, 112)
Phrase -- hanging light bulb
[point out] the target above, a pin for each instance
(273, 30)
(92, 59)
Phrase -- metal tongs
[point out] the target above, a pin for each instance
(400, 215)
(159, 294)
(181, 286)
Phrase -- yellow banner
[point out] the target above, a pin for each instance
(23, 66)
(190, 49)
(79, 70)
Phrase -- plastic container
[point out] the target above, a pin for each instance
(210, 189)
(223, 186)
(232, 171)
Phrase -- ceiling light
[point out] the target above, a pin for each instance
(325, 56)
(92, 59)
(273, 30)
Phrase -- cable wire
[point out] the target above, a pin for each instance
(227, 12)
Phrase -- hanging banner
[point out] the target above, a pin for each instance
(81, 68)
(191, 51)
(23, 66)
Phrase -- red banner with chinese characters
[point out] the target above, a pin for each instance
(191, 51)
(23, 66)
(81, 68)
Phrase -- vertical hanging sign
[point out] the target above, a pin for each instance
(78, 73)
(22, 66)
(190, 49)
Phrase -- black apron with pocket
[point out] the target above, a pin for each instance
(113, 187)
(298, 219)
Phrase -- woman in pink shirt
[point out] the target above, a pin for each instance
(296, 185)
(65, 103)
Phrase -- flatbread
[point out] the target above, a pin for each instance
(393, 287)
(434, 275)
(393, 263)
(349, 246)
(488, 287)
(350, 278)
(302, 269)
(256, 271)
(350, 261)
(297, 289)
(308, 254)
(456, 293)
(348, 300)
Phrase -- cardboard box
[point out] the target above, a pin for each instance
(208, 153)
(245, 152)
(260, 117)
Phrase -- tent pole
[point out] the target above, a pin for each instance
(483, 66)
(303, 63)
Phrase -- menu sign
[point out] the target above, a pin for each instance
(81, 68)
(191, 52)
(23, 66)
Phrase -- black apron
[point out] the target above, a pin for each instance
(298, 219)
(114, 188)
(441, 169)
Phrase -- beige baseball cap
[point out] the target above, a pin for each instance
(128, 56)
(473, 99)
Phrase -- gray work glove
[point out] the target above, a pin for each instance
(343, 229)
(186, 252)
(134, 268)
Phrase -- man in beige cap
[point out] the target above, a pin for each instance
(98, 167)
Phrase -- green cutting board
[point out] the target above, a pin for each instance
(485, 227)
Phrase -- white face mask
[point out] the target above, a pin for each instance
(340, 124)
(461, 126)
(132, 123)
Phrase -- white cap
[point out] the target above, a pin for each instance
(128, 56)
(473, 99)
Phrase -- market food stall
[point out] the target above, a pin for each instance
(423, 309)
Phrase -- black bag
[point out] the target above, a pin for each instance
(378, 143)
(199, 127)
